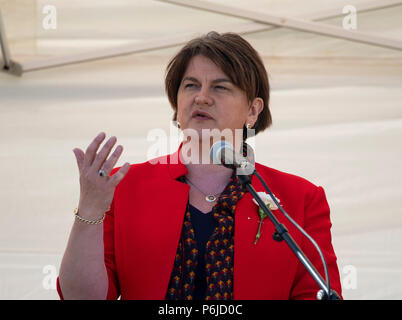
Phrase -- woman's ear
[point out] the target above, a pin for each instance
(255, 109)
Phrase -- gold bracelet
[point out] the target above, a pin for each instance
(88, 221)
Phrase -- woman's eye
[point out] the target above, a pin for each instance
(193, 85)
(220, 88)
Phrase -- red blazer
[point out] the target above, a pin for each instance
(142, 231)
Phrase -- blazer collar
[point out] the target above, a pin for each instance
(176, 166)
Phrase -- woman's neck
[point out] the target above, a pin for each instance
(208, 172)
(198, 151)
(200, 167)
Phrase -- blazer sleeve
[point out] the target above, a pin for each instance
(317, 224)
(108, 239)
(109, 253)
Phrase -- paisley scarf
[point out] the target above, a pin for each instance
(218, 255)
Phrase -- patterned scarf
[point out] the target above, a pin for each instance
(219, 251)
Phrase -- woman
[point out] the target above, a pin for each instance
(186, 228)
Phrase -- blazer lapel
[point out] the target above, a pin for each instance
(173, 198)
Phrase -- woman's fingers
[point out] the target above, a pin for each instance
(97, 192)
(79, 156)
(90, 152)
(91, 162)
(110, 163)
(103, 154)
(119, 175)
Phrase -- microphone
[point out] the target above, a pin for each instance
(223, 153)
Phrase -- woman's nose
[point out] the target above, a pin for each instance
(203, 98)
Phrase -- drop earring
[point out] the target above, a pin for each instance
(176, 124)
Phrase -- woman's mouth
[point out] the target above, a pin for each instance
(201, 115)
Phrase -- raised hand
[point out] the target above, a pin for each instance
(96, 191)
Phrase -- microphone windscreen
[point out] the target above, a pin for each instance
(215, 152)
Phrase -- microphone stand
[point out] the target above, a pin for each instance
(281, 233)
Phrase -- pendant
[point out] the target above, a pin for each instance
(210, 198)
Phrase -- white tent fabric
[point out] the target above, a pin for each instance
(336, 109)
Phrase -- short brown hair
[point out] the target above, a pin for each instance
(237, 59)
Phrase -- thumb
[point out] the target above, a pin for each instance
(79, 156)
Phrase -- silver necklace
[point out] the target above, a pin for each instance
(208, 197)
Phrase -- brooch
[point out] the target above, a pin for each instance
(269, 202)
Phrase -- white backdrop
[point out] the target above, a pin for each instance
(336, 108)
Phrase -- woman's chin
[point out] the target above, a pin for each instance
(200, 129)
